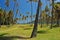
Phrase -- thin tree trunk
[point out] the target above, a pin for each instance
(58, 21)
(31, 12)
(41, 23)
(34, 32)
(52, 14)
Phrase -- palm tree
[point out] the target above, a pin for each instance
(40, 13)
(42, 16)
(34, 32)
(4, 13)
(52, 14)
(41, 19)
(0, 16)
(27, 19)
(46, 10)
(52, 1)
(57, 12)
(31, 9)
(10, 17)
(14, 6)
(17, 10)
(7, 3)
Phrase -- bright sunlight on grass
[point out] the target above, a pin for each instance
(26, 30)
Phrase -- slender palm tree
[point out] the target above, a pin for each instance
(14, 6)
(17, 10)
(52, 14)
(46, 10)
(40, 13)
(4, 13)
(52, 1)
(57, 12)
(7, 4)
(34, 32)
(27, 19)
(31, 9)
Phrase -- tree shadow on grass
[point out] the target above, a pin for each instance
(27, 28)
(55, 26)
(3, 34)
(2, 37)
(12, 37)
(42, 32)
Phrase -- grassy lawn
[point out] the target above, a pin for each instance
(23, 32)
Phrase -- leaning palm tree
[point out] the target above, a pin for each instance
(34, 32)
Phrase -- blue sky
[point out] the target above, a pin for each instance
(23, 7)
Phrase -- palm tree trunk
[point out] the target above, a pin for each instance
(52, 14)
(31, 12)
(34, 32)
(41, 23)
(58, 21)
(0, 21)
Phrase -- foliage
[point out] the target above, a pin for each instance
(6, 18)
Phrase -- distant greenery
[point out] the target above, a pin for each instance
(6, 18)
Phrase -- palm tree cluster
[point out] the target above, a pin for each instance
(6, 17)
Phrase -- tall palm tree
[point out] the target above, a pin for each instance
(57, 12)
(34, 32)
(52, 14)
(31, 9)
(40, 14)
(4, 13)
(0, 16)
(46, 10)
(52, 2)
(14, 6)
(7, 4)
(10, 17)
(27, 16)
(17, 10)
(27, 19)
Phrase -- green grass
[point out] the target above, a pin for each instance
(24, 31)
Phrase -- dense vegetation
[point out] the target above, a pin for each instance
(6, 18)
